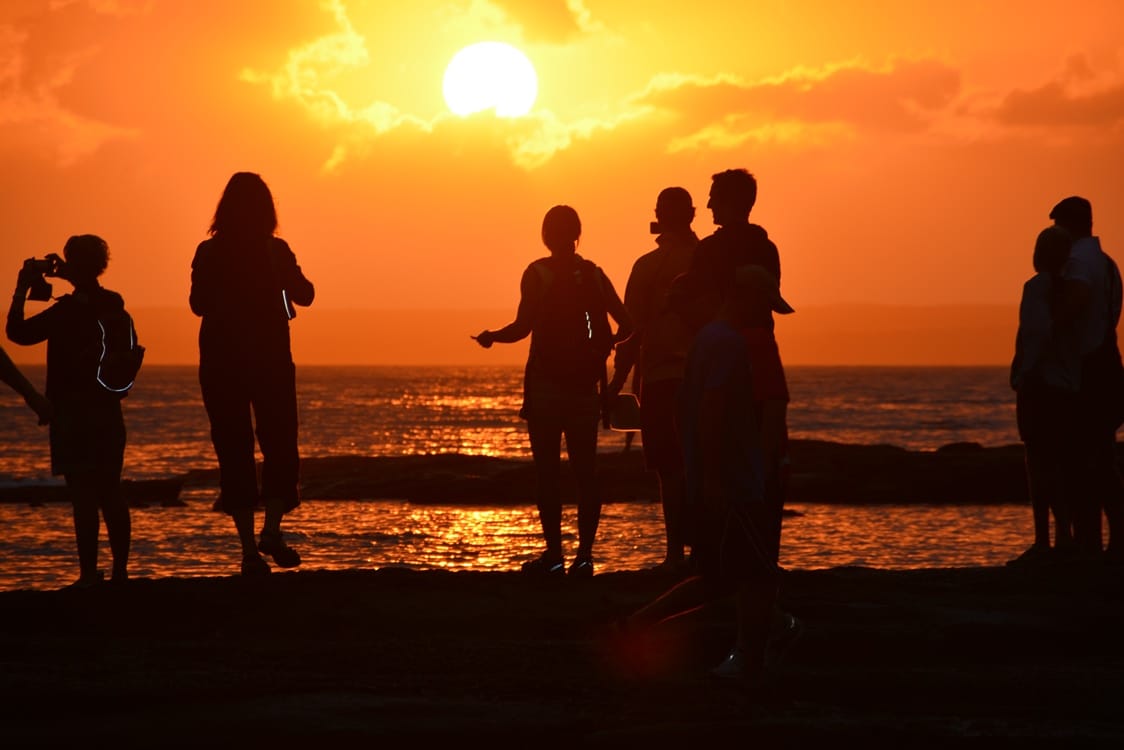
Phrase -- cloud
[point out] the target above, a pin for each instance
(551, 21)
(310, 72)
(30, 107)
(1080, 97)
(724, 111)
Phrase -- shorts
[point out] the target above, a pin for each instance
(87, 437)
(736, 544)
(659, 426)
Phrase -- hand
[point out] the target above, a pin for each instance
(27, 276)
(485, 339)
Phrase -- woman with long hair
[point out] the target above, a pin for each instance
(563, 306)
(244, 283)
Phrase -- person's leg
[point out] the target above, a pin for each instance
(275, 414)
(118, 523)
(1111, 493)
(581, 448)
(1041, 484)
(681, 599)
(546, 447)
(82, 489)
(672, 493)
(232, 433)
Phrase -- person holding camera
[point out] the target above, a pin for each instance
(244, 283)
(87, 427)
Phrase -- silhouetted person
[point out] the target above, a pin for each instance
(734, 549)
(657, 352)
(87, 432)
(1046, 377)
(564, 304)
(244, 283)
(1092, 298)
(11, 375)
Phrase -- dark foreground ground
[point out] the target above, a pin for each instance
(319, 659)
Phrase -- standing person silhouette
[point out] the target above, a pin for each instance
(735, 529)
(244, 283)
(657, 351)
(87, 431)
(1046, 377)
(12, 376)
(1092, 298)
(564, 303)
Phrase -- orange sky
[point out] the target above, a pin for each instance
(907, 153)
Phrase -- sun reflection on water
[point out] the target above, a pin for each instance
(38, 544)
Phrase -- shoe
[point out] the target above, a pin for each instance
(582, 567)
(545, 564)
(1036, 554)
(86, 582)
(782, 639)
(272, 544)
(254, 566)
(738, 666)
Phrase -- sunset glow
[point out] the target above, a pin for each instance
(490, 75)
(907, 154)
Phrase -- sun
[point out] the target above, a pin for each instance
(490, 75)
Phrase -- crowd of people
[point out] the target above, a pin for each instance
(693, 339)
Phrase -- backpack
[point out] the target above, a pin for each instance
(572, 337)
(119, 355)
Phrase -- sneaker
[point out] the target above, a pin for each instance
(254, 566)
(272, 544)
(582, 567)
(738, 666)
(545, 565)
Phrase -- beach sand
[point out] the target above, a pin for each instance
(888, 658)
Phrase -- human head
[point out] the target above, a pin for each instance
(245, 208)
(1051, 249)
(561, 229)
(732, 195)
(674, 209)
(1075, 215)
(86, 256)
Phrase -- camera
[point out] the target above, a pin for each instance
(52, 265)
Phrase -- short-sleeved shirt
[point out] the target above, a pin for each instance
(1088, 264)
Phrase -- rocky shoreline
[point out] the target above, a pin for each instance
(888, 659)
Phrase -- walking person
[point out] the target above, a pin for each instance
(657, 353)
(87, 426)
(244, 283)
(1046, 377)
(564, 306)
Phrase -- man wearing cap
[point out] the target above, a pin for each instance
(1092, 295)
(657, 351)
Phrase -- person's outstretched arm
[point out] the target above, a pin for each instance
(12, 375)
(520, 328)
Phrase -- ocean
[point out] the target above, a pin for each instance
(473, 410)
